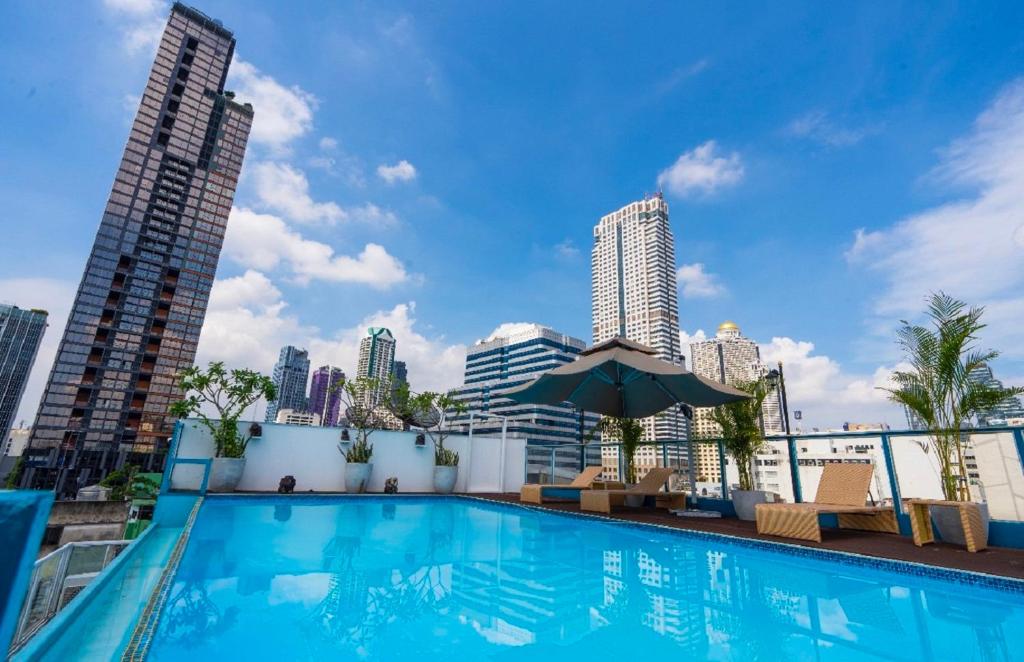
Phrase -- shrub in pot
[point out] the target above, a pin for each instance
(939, 389)
(630, 434)
(357, 465)
(229, 393)
(742, 439)
(434, 412)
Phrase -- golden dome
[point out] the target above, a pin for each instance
(728, 325)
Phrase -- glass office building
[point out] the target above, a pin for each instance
(291, 372)
(21, 332)
(141, 303)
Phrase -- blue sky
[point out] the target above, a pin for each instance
(439, 170)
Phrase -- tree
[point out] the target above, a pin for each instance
(937, 387)
(630, 433)
(742, 436)
(229, 393)
(127, 483)
(434, 413)
(364, 409)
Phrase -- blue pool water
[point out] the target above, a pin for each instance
(455, 579)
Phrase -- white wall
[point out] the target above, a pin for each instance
(311, 455)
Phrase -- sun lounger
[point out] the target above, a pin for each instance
(586, 480)
(842, 491)
(602, 501)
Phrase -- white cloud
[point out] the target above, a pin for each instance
(567, 250)
(54, 296)
(285, 189)
(826, 394)
(433, 363)
(697, 283)
(702, 170)
(510, 329)
(282, 114)
(264, 242)
(969, 247)
(248, 322)
(817, 126)
(142, 24)
(328, 144)
(403, 171)
(684, 344)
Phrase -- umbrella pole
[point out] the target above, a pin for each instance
(691, 470)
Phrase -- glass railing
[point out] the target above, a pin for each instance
(57, 578)
(905, 465)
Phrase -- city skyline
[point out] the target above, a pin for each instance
(375, 209)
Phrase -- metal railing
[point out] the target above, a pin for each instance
(904, 461)
(57, 578)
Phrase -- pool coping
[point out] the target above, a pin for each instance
(913, 568)
(145, 625)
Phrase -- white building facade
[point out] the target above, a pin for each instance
(634, 295)
(296, 417)
(729, 358)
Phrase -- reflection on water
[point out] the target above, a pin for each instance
(402, 578)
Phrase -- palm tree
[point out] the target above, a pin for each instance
(937, 387)
(742, 436)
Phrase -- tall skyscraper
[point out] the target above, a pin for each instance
(21, 332)
(142, 300)
(494, 366)
(291, 372)
(324, 398)
(1009, 408)
(729, 358)
(633, 285)
(376, 354)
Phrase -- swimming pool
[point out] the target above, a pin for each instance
(403, 578)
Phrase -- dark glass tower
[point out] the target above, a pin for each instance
(21, 331)
(142, 300)
(291, 372)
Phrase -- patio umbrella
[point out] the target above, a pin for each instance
(625, 379)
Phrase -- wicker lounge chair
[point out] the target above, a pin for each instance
(602, 501)
(842, 491)
(586, 480)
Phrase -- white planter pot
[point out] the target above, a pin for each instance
(946, 521)
(745, 501)
(444, 479)
(357, 477)
(225, 474)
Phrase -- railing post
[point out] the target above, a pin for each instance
(721, 469)
(794, 470)
(551, 477)
(664, 453)
(1018, 440)
(894, 485)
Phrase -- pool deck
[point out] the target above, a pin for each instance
(994, 560)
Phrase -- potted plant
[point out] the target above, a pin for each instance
(742, 439)
(434, 413)
(938, 387)
(359, 396)
(229, 393)
(630, 433)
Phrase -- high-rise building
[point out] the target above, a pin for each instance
(377, 361)
(376, 354)
(633, 289)
(914, 422)
(291, 372)
(21, 332)
(324, 398)
(500, 363)
(400, 373)
(1008, 408)
(729, 358)
(141, 304)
